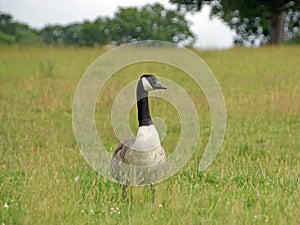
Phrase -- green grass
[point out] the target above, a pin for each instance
(254, 179)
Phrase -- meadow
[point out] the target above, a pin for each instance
(255, 178)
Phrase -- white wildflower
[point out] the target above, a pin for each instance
(266, 219)
(115, 210)
(76, 179)
(6, 206)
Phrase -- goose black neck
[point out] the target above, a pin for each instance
(144, 116)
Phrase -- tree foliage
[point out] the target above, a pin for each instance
(151, 22)
(263, 21)
(14, 32)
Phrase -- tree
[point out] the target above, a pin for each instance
(72, 34)
(53, 34)
(15, 32)
(83, 34)
(251, 19)
(151, 22)
(6, 30)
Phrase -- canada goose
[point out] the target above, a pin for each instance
(144, 151)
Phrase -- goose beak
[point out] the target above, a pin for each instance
(159, 86)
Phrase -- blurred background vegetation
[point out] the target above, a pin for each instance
(128, 24)
(261, 22)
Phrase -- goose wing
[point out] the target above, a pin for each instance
(122, 149)
(152, 160)
(119, 156)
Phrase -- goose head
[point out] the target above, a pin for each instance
(146, 83)
(150, 82)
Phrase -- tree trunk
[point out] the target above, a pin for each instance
(277, 26)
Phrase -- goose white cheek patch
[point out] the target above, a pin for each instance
(147, 86)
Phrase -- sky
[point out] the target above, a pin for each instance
(210, 33)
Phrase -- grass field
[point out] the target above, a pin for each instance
(255, 178)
